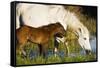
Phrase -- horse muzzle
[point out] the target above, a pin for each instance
(88, 52)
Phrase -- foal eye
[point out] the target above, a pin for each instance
(84, 38)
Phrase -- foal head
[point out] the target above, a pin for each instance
(57, 30)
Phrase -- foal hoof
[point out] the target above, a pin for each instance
(33, 54)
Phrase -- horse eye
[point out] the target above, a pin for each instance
(84, 38)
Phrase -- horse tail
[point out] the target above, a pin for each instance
(19, 20)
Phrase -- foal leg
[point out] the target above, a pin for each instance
(56, 44)
(20, 50)
(65, 43)
(44, 50)
(23, 52)
(40, 49)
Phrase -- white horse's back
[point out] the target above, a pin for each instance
(36, 15)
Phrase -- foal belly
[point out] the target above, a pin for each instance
(40, 38)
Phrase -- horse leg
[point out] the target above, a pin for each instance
(67, 48)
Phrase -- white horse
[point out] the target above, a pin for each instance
(37, 15)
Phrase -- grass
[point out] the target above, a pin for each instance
(52, 59)
(73, 46)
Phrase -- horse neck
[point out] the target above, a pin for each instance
(72, 21)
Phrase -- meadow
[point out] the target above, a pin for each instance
(64, 55)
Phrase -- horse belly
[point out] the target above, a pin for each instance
(36, 16)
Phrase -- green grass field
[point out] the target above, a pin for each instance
(73, 48)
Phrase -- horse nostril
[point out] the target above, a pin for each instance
(88, 52)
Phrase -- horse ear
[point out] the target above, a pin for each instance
(77, 35)
(78, 32)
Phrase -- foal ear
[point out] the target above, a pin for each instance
(58, 22)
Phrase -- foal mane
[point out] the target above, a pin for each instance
(51, 26)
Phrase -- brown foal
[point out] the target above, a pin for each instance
(40, 36)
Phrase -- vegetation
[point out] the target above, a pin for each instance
(36, 59)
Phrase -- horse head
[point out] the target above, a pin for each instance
(83, 38)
